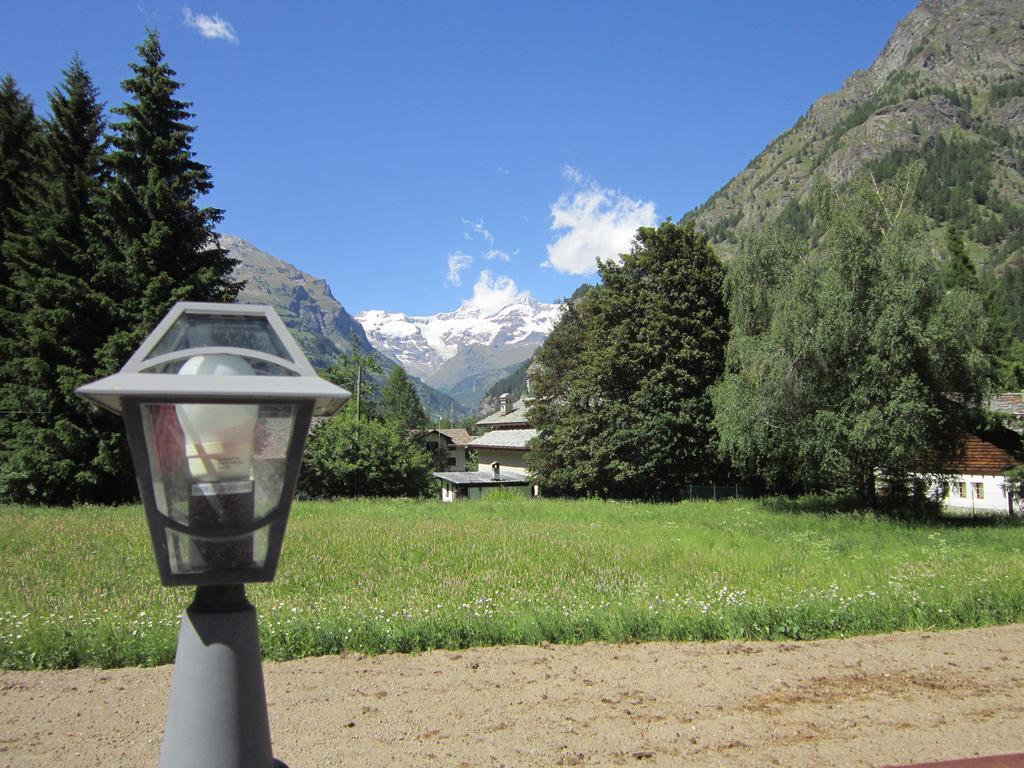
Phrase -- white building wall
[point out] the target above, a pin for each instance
(508, 459)
(982, 493)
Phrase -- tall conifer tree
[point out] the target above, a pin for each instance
(61, 450)
(19, 133)
(167, 244)
(401, 403)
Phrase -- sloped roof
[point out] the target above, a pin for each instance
(456, 436)
(517, 416)
(515, 439)
(987, 453)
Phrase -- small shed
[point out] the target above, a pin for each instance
(456, 486)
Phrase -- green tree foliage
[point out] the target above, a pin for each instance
(61, 450)
(372, 450)
(1015, 487)
(19, 132)
(19, 136)
(400, 402)
(852, 361)
(357, 372)
(100, 240)
(622, 381)
(166, 243)
(960, 272)
(369, 458)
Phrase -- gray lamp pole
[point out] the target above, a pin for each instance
(217, 403)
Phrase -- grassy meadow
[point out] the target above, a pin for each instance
(80, 587)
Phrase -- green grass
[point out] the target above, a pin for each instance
(79, 586)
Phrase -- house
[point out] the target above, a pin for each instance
(448, 447)
(975, 480)
(507, 435)
(503, 448)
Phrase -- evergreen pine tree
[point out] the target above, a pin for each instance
(402, 405)
(19, 132)
(62, 450)
(167, 245)
(960, 271)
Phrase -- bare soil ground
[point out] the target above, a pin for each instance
(866, 701)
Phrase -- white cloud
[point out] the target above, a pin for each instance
(601, 224)
(492, 293)
(480, 229)
(503, 170)
(210, 27)
(457, 262)
(498, 254)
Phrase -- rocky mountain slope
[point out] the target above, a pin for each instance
(465, 351)
(319, 322)
(948, 91)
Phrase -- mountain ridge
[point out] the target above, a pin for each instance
(320, 323)
(464, 351)
(949, 80)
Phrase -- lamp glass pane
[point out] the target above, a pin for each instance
(192, 331)
(259, 367)
(197, 554)
(217, 467)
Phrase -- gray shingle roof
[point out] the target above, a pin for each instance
(482, 478)
(504, 438)
(457, 436)
(517, 416)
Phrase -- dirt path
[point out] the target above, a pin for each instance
(866, 701)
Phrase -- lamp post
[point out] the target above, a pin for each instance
(217, 403)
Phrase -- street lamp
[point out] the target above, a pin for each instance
(217, 403)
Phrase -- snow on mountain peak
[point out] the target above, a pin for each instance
(421, 344)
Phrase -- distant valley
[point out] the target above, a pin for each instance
(465, 351)
(454, 356)
(946, 94)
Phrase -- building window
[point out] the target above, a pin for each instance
(451, 461)
(979, 490)
(960, 489)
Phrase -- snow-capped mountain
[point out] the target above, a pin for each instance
(449, 347)
(321, 325)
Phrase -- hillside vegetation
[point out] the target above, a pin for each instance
(948, 92)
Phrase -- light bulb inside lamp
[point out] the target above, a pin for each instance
(218, 438)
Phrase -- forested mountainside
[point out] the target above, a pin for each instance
(948, 91)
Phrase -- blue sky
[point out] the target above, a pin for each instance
(418, 155)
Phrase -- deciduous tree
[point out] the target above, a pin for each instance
(852, 362)
(371, 458)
